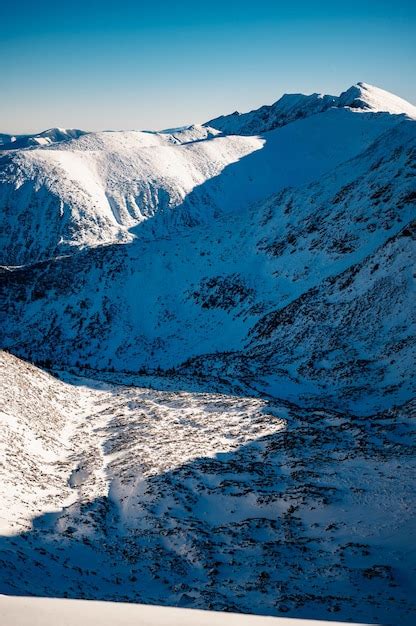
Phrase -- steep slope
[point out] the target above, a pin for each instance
(241, 281)
(348, 343)
(178, 496)
(292, 107)
(104, 187)
(342, 257)
(370, 98)
(94, 189)
(37, 416)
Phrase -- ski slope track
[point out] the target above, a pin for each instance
(207, 380)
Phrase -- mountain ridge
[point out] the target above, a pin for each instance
(186, 295)
(291, 107)
(104, 187)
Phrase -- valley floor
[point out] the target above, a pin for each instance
(163, 494)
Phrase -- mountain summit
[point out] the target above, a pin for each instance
(291, 107)
(370, 98)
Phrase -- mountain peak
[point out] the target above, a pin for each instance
(293, 106)
(371, 98)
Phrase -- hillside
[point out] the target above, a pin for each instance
(101, 187)
(167, 493)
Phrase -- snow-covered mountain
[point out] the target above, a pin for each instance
(231, 311)
(370, 98)
(260, 257)
(45, 138)
(98, 188)
(292, 107)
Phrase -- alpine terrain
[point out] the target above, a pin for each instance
(208, 338)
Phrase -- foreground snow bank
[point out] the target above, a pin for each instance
(44, 611)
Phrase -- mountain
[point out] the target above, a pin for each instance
(261, 269)
(289, 108)
(103, 187)
(226, 324)
(46, 137)
(292, 107)
(371, 98)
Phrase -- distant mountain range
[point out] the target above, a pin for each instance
(45, 138)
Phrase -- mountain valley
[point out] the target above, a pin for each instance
(208, 342)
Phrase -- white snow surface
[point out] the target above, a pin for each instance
(16, 611)
(98, 188)
(57, 434)
(218, 284)
(159, 490)
(365, 96)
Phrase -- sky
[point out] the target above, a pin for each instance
(125, 64)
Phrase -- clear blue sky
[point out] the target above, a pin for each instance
(129, 64)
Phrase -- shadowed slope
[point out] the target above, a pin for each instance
(312, 519)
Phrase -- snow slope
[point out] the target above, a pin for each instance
(100, 187)
(371, 98)
(167, 492)
(291, 107)
(49, 612)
